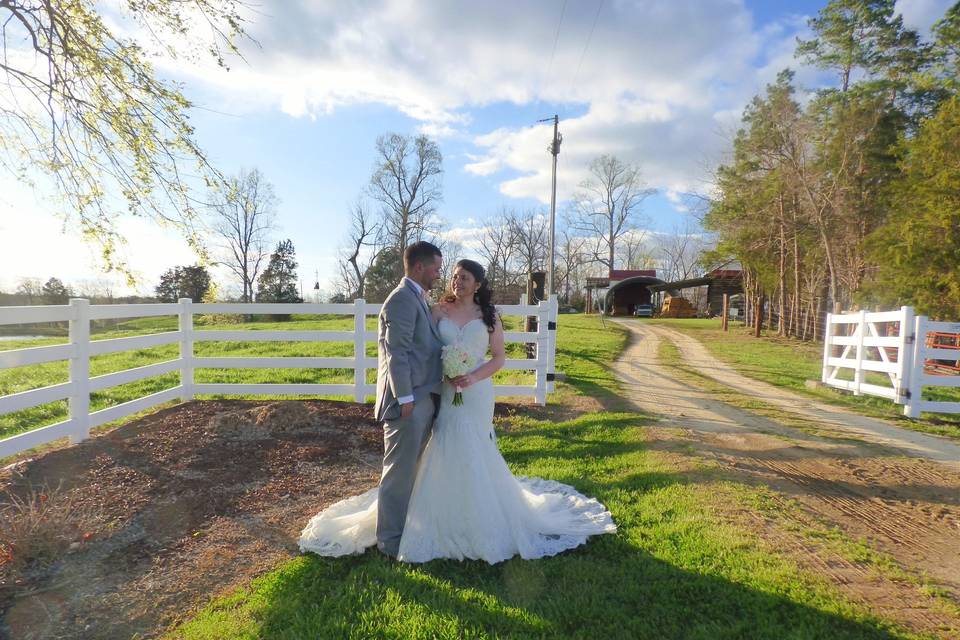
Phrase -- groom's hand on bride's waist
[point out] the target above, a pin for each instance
(406, 410)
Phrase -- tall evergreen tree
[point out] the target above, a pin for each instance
(183, 282)
(278, 282)
(917, 252)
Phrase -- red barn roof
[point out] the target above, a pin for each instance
(623, 274)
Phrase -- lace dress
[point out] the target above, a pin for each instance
(465, 502)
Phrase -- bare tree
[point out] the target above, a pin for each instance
(452, 252)
(570, 260)
(243, 219)
(679, 252)
(407, 181)
(497, 248)
(635, 250)
(29, 288)
(608, 205)
(529, 231)
(363, 244)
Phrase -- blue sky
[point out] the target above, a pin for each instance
(658, 82)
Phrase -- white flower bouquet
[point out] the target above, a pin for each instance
(457, 361)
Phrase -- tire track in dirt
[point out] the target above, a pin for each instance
(906, 506)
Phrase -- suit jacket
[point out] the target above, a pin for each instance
(408, 352)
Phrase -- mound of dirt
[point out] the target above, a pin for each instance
(186, 503)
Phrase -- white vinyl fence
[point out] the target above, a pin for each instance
(80, 348)
(897, 344)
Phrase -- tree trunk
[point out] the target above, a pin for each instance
(782, 274)
(758, 315)
(796, 278)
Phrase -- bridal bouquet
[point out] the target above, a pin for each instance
(457, 361)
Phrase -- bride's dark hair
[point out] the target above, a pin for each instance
(484, 295)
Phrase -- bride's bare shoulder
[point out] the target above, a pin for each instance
(440, 310)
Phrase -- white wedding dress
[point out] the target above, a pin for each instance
(465, 502)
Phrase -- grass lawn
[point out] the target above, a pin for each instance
(675, 569)
(790, 363)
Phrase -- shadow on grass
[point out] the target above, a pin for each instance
(609, 588)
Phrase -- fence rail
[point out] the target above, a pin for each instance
(908, 357)
(79, 313)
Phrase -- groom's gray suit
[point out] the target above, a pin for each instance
(408, 350)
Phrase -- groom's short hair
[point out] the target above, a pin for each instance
(421, 251)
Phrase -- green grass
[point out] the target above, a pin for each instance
(675, 569)
(585, 350)
(786, 511)
(790, 363)
(35, 376)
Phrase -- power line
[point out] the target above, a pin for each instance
(553, 52)
(556, 37)
(586, 46)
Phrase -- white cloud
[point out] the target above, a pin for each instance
(921, 14)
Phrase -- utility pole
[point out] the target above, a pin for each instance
(554, 150)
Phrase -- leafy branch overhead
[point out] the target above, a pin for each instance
(83, 110)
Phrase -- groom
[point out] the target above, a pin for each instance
(409, 374)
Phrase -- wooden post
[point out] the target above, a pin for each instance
(726, 310)
(827, 348)
(186, 349)
(359, 350)
(859, 373)
(79, 400)
(554, 307)
(542, 345)
(905, 355)
(914, 402)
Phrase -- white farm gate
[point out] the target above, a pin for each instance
(906, 353)
(80, 348)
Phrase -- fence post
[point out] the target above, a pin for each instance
(904, 355)
(552, 347)
(543, 342)
(359, 349)
(858, 373)
(827, 347)
(912, 408)
(79, 400)
(186, 349)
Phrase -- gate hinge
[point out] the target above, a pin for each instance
(551, 377)
(551, 326)
(911, 338)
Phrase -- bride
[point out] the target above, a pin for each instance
(466, 503)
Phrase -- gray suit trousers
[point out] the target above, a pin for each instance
(403, 441)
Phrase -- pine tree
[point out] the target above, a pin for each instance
(918, 251)
(278, 282)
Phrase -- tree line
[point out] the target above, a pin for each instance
(849, 196)
(601, 228)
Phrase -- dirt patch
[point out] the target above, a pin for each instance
(868, 488)
(190, 502)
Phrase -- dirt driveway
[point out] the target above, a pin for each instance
(897, 489)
